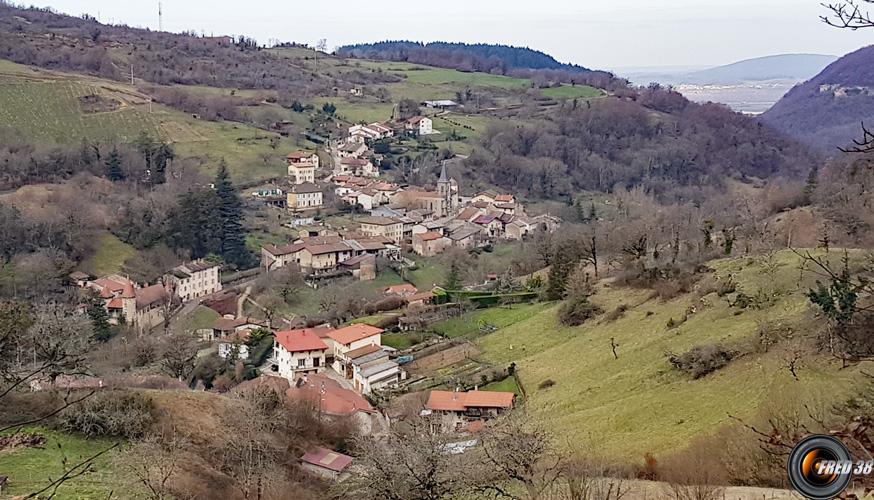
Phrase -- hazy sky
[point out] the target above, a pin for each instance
(597, 34)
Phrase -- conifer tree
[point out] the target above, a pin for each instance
(113, 166)
(229, 214)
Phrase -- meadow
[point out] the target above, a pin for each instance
(636, 402)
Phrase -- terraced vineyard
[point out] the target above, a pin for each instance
(53, 112)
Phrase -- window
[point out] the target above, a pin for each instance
(301, 362)
(315, 362)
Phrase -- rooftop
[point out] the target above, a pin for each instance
(300, 341)
(377, 221)
(429, 236)
(323, 457)
(461, 401)
(329, 395)
(354, 332)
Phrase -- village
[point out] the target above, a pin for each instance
(345, 370)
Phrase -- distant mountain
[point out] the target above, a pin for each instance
(785, 67)
(825, 112)
(798, 67)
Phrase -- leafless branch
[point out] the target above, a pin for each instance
(865, 145)
(848, 14)
(73, 472)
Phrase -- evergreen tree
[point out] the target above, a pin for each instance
(229, 214)
(99, 320)
(453, 279)
(113, 166)
(811, 183)
(593, 213)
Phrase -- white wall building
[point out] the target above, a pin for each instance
(195, 279)
(298, 351)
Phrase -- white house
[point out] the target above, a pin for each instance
(298, 351)
(348, 339)
(421, 125)
(195, 279)
(371, 368)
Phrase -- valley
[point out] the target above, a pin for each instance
(422, 270)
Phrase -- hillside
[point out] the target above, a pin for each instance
(825, 111)
(795, 67)
(479, 56)
(639, 403)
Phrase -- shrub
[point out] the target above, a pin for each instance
(576, 310)
(616, 313)
(546, 384)
(109, 413)
(702, 360)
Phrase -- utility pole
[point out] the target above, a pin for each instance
(160, 17)
(131, 74)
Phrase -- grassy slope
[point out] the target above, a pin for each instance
(29, 468)
(571, 92)
(109, 257)
(638, 403)
(45, 106)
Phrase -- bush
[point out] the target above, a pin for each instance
(109, 413)
(546, 384)
(616, 313)
(702, 360)
(576, 310)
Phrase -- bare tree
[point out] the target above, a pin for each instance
(410, 463)
(154, 462)
(179, 355)
(516, 450)
(849, 14)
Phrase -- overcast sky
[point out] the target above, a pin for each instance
(597, 34)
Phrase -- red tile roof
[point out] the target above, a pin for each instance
(331, 460)
(429, 236)
(354, 332)
(504, 198)
(300, 341)
(150, 295)
(460, 401)
(111, 285)
(297, 155)
(115, 303)
(329, 396)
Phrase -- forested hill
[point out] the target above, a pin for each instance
(825, 112)
(488, 58)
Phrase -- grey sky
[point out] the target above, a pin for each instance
(597, 34)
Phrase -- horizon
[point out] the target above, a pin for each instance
(681, 33)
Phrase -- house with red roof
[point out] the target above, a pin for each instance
(126, 302)
(350, 338)
(326, 463)
(430, 243)
(457, 408)
(333, 401)
(298, 351)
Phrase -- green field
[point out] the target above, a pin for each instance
(638, 403)
(472, 324)
(29, 469)
(52, 112)
(47, 107)
(572, 92)
(109, 256)
(507, 385)
(438, 76)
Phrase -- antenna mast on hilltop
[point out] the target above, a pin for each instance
(160, 17)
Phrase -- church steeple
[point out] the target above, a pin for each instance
(443, 176)
(444, 187)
